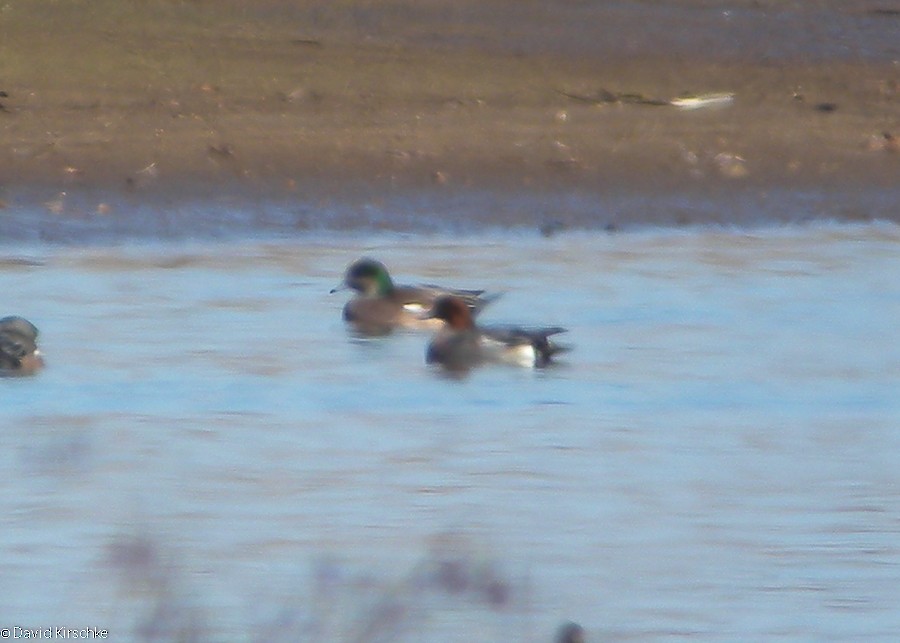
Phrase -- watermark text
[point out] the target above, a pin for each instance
(61, 633)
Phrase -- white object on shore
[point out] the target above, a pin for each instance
(703, 100)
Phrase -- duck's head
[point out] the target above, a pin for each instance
(453, 311)
(367, 277)
(19, 326)
(18, 345)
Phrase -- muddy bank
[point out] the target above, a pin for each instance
(113, 104)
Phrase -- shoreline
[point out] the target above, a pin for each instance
(82, 218)
(326, 118)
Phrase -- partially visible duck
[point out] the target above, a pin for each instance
(19, 354)
(570, 633)
(461, 345)
(380, 306)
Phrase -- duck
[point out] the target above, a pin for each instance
(19, 354)
(570, 633)
(461, 345)
(380, 306)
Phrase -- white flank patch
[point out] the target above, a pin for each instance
(521, 355)
(517, 354)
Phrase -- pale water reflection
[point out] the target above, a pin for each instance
(716, 459)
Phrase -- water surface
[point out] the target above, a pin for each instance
(209, 451)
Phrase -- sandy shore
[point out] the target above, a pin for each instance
(284, 99)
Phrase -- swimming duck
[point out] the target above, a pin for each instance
(381, 306)
(19, 353)
(460, 344)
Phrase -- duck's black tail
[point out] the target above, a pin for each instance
(544, 348)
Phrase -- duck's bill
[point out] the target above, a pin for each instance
(338, 288)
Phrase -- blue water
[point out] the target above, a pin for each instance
(209, 451)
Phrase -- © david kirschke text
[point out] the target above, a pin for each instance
(72, 633)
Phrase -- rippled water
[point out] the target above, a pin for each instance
(209, 450)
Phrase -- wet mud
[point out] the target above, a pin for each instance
(110, 109)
